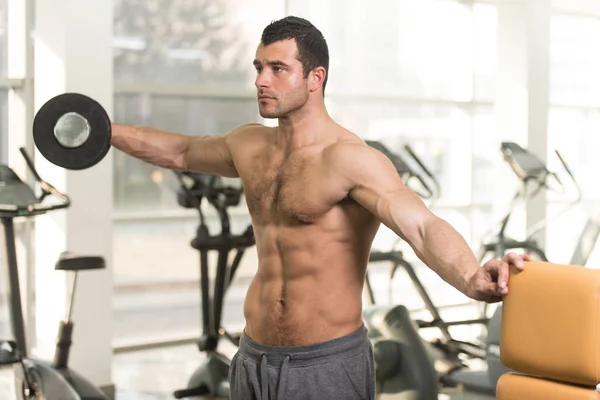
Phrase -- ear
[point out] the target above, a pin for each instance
(317, 78)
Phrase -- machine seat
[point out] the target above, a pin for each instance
(549, 334)
(74, 262)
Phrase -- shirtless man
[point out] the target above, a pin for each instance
(316, 195)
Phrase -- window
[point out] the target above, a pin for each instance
(422, 73)
(402, 48)
(485, 30)
(412, 75)
(439, 134)
(369, 65)
(141, 187)
(184, 67)
(574, 133)
(189, 43)
(154, 261)
(575, 60)
(200, 53)
(573, 126)
(416, 71)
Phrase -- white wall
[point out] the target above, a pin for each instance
(73, 53)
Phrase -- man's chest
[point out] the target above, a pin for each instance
(298, 187)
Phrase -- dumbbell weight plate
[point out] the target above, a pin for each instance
(72, 131)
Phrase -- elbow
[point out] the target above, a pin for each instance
(414, 234)
(182, 160)
(416, 229)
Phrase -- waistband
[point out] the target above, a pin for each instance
(313, 354)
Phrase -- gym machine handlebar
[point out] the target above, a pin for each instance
(529, 169)
(29, 204)
(407, 173)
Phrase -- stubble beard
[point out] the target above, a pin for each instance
(278, 110)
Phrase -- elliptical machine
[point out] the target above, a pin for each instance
(530, 170)
(37, 379)
(210, 379)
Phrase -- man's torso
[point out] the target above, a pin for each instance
(313, 241)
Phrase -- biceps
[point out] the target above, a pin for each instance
(210, 155)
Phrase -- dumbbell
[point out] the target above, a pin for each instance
(72, 131)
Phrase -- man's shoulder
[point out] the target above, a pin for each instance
(355, 159)
(249, 128)
(349, 149)
(253, 126)
(247, 132)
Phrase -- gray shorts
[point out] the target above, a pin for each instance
(341, 368)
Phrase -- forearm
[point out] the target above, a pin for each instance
(433, 240)
(446, 252)
(374, 183)
(156, 147)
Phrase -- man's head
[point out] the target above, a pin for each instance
(292, 62)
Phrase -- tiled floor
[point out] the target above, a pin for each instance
(154, 374)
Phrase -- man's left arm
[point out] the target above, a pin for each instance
(373, 182)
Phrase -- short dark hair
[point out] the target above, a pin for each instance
(312, 47)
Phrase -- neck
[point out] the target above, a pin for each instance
(304, 126)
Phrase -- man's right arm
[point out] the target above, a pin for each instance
(204, 154)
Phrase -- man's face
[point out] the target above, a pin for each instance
(280, 83)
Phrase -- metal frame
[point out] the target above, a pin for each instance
(195, 91)
(211, 92)
(12, 84)
(565, 106)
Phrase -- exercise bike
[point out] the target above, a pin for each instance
(37, 379)
(210, 379)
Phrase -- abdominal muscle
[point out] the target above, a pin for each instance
(305, 291)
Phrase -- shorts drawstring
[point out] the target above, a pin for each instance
(264, 377)
(264, 381)
(283, 377)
